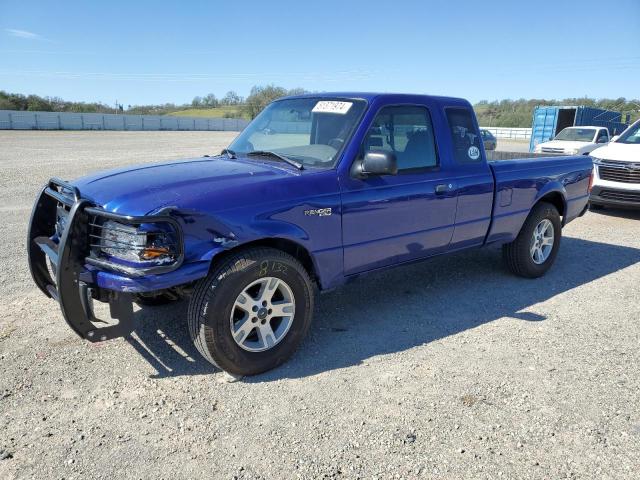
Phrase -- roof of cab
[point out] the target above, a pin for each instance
(369, 96)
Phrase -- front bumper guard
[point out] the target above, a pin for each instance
(72, 288)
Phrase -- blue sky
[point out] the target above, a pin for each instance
(142, 52)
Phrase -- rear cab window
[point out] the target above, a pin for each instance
(465, 137)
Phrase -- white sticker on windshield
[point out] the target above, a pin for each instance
(474, 153)
(332, 107)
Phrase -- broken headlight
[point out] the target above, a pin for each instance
(146, 243)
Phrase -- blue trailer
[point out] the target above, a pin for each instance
(548, 121)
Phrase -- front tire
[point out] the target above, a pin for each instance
(535, 248)
(252, 311)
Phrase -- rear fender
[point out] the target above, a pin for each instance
(557, 196)
(506, 225)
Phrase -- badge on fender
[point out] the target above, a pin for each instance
(321, 212)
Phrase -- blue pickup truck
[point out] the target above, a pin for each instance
(317, 190)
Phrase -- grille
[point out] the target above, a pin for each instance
(619, 173)
(621, 196)
(552, 150)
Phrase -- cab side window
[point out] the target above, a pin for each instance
(464, 135)
(406, 131)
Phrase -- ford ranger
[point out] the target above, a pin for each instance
(316, 191)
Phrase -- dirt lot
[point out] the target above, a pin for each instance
(450, 369)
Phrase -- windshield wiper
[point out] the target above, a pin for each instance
(267, 153)
(230, 153)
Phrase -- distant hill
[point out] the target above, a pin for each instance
(499, 113)
(218, 112)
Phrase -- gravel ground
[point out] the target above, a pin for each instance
(448, 369)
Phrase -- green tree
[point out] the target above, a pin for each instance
(38, 104)
(261, 96)
(231, 98)
(210, 101)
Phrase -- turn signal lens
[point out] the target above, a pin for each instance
(150, 253)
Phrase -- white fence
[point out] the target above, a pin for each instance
(19, 120)
(513, 133)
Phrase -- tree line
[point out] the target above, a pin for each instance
(502, 113)
(234, 104)
(17, 101)
(518, 113)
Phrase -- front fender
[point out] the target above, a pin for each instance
(233, 238)
(321, 241)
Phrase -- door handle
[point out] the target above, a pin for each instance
(443, 188)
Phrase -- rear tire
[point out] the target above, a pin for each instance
(232, 314)
(528, 255)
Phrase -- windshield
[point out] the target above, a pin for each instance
(632, 135)
(576, 134)
(311, 131)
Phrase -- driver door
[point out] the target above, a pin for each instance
(390, 219)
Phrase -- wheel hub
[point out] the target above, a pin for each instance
(262, 314)
(542, 241)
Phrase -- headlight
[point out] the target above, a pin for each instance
(155, 243)
(573, 151)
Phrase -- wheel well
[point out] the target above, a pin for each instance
(555, 199)
(292, 248)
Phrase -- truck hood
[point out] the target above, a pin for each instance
(623, 152)
(565, 145)
(141, 189)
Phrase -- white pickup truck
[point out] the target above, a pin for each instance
(616, 180)
(575, 141)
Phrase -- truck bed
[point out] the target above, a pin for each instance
(516, 191)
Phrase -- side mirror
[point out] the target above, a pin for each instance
(379, 162)
(614, 138)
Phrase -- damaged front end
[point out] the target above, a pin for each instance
(71, 241)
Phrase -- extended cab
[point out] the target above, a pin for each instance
(317, 190)
(616, 181)
(575, 141)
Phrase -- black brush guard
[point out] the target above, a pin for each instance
(70, 254)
